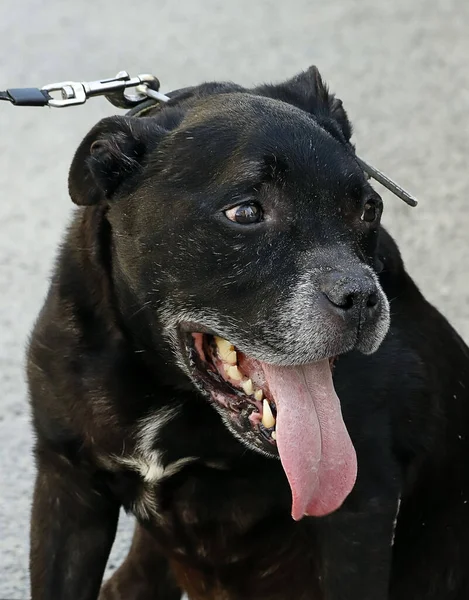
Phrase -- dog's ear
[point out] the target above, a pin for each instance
(309, 92)
(112, 152)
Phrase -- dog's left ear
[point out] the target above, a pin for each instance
(309, 92)
(112, 152)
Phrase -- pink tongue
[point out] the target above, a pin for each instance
(314, 446)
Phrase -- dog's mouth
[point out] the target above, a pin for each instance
(237, 384)
(289, 411)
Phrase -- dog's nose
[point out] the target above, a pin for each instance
(353, 296)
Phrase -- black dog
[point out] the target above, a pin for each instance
(229, 266)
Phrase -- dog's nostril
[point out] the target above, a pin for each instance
(341, 299)
(372, 300)
(346, 302)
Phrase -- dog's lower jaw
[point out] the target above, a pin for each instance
(244, 433)
(247, 436)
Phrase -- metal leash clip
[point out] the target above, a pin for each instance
(115, 90)
(73, 92)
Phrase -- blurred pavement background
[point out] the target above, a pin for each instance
(401, 68)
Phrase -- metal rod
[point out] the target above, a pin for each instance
(388, 183)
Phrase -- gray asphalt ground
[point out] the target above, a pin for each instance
(400, 66)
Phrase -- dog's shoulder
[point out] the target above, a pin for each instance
(75, 314)
(74, 348)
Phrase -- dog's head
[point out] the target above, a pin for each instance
(245, 229)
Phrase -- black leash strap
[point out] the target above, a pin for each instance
(26, 96)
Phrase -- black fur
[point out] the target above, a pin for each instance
(148, 251)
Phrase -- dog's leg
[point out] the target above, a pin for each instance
(144, 575)
(72, 530)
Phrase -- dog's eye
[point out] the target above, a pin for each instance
(370, 212)
(245, 214)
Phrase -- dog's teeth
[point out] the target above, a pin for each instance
(231, 358)
(247, 387)
(224, 347)
(234, 373)
(268, 419)
(222, 343)
(258, 395)
(274, 436)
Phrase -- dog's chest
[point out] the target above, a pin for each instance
(143, 473)
(211, 512)
(190, 491)
(148, 466)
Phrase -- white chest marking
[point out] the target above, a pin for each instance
(145, 460)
